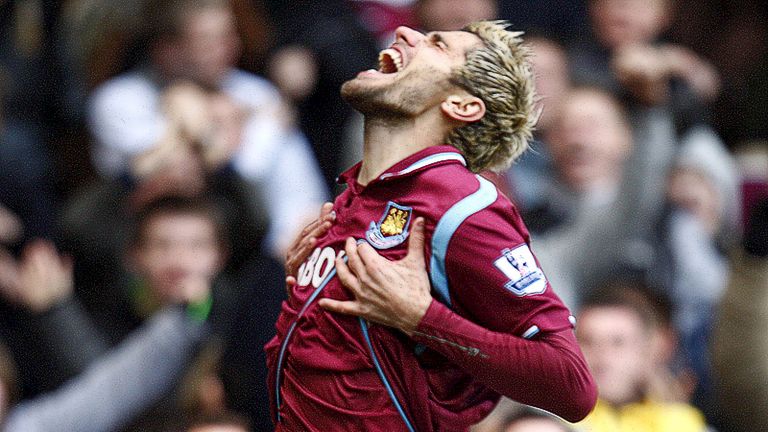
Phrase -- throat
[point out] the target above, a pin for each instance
(388, 141)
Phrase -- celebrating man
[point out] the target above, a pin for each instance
(421, 302)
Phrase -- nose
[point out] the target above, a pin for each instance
(408, 35)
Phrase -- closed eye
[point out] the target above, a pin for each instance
(438, 41)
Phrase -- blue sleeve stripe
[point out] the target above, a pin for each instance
(447, 226)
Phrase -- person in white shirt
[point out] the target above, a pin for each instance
(190, 95)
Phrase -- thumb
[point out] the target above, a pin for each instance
(416, 241)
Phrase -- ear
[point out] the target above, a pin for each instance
(464, 109)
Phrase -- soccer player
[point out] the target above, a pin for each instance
(420, 302)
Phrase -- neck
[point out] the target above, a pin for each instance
(388, 141)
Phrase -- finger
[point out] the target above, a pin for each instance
(325, 209)
(322, 228)
(290, 281)
(368, 255)
(346, 277)
(307, 240)
(297, 256)
(354, 261)
(306, 231)
(342, 307)
(326, 214)
(416, 241)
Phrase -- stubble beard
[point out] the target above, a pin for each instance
(372, 101)
(407, 97)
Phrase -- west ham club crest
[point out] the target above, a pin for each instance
(392, 228)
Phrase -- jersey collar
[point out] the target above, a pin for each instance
(417, 162)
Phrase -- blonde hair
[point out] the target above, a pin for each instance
(500, 74)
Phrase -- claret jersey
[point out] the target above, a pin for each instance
(495, 325)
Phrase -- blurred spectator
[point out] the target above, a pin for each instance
(41, 279)
(98, 230)
(702, 223)
(627, 58)
(734, 35)
(621, 334)
(36, 299)
(96, 224)
(609, 184)
(612, 184)
(550, 65)
(178, 249)
(740, 346)
(98, 39)
(530, 175)
(201, 392)
(115, 387)
(134, 118)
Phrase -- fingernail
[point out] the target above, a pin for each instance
(332, 214)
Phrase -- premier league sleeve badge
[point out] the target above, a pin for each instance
(392, 229)
(525, 276)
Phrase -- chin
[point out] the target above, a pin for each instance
(381, 102)
(349, 89)
(363, 98)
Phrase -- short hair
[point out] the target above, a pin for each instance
(617, 106)
(500, 74)
(653, 309)
(178, 205)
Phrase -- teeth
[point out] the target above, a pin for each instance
(394, 56)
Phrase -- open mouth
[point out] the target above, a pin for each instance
(390, 61)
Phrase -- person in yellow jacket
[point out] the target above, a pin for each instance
(618, 330)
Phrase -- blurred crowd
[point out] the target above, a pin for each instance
(157, 157)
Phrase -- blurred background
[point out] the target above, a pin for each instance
(158, 156)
